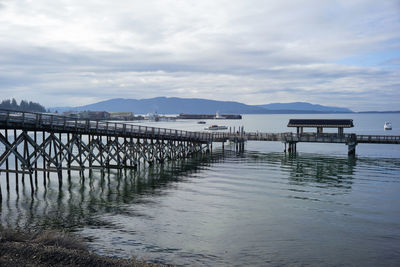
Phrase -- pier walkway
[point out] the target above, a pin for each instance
(322, 138)
(291, 139)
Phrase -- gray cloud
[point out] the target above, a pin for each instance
(72, 53)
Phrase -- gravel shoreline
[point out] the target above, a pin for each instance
(50, 248)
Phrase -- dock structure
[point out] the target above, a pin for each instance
(351, 140)
(290, 139)
(184, 116)
(32, 142)
(320, 124)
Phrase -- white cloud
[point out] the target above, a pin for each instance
(251, 51)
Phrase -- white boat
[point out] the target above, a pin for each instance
(218, 117)
(387, 126)
(216, 127)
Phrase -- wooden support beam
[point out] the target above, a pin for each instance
(69, 156)
(16, 161)
(35, 153)
(44, 159)
(7, 166)
(49, 155)
(351, 150)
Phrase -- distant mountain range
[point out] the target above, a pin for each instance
(174, 105)
(303, 106)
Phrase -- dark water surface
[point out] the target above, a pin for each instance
(261, 207)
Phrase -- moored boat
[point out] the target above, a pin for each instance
(216, 127)
(387, 126)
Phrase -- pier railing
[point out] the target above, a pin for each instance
(43, 121)
(293, 137)
(381, 139)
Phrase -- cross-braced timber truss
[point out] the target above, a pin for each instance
(55, 152)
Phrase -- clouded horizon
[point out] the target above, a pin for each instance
(71, 53)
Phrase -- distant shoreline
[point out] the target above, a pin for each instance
(397, 111)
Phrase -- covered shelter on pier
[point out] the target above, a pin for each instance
(320, 124)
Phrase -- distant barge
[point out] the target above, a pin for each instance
(209, 116)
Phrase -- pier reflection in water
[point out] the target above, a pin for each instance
(83, 198)
(249, 208)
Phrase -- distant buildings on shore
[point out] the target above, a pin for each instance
(209, 116)
(103, 115)
(129, 116)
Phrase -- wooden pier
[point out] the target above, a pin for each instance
(32, 142)
(347, 139)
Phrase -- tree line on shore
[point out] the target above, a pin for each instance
(22, 106)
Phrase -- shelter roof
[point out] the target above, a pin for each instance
(325, 123)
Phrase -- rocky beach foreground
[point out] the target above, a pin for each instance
(51, 248)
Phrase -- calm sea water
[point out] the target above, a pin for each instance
(257, 208)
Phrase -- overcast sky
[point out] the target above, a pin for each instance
(70, 53)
